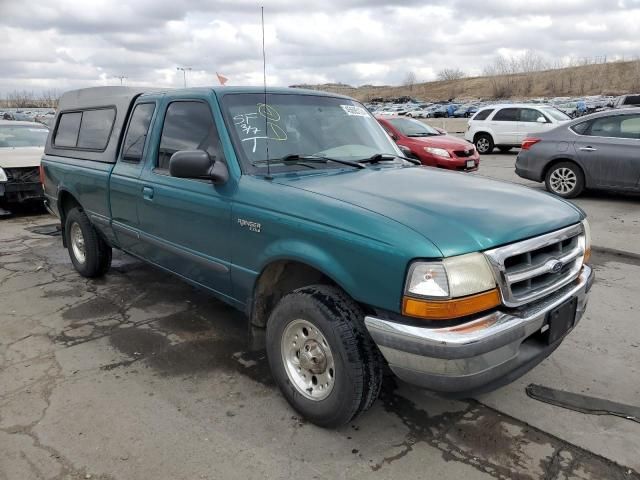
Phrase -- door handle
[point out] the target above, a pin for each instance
(147, 193)
(588, 149)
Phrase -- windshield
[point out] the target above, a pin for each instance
(413, 128)
(12, 136)
(302, 125)
(556, 114)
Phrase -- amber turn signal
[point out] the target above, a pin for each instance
(449, 309)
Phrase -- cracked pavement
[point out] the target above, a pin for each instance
(140, 376)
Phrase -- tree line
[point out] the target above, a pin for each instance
(30, 99)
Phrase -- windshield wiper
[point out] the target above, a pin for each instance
(388, 157)
(425, 134)
(302, 159)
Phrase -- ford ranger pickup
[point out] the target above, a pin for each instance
(297, 208)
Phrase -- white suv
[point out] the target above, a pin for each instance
(505, 126)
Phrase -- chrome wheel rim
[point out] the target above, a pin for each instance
(308, 360)
(563, 180)
(77, 243)
(482, 145)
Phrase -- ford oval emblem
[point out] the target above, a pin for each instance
(556, 266)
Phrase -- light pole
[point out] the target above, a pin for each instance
(184, 74)
(121, 77)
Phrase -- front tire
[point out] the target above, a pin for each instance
(322, 357)
(484, 144)
(89, 253)
(565, 179)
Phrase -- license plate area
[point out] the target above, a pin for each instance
(471, 164)
(560, 320)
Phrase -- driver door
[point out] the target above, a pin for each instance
(185, 223)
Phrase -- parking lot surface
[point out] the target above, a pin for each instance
(138, 375)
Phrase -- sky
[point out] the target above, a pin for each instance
(65, 44)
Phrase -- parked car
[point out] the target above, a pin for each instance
(21, 146)
(343, 254)
(416, 113)
(506, 125)
(430, 146)
(626, 101)
(465, 111)
(600, 151)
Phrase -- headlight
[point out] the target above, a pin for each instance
(440, 152)
(587, 241)
(455, 287)
(453, 277)
(3, 175)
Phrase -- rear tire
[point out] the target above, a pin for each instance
(565, 179)
(333, 372)
(89, 253)
(484, 144)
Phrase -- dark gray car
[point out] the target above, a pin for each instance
(599, 151)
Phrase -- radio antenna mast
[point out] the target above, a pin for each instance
(264, 84)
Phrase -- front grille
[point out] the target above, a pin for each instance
(464, 153)
(23, 174)
(531, 269)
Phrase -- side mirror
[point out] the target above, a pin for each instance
(541, 120)
(197, 164)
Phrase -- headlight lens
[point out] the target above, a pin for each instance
(458, 276)
(587, 241)
(3, 175)
(440, 152)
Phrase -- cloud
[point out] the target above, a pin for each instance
(72, 43)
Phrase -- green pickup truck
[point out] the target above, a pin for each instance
(297, 208)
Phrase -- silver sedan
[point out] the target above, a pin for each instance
(599, 151)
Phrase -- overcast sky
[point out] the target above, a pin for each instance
(64, 44)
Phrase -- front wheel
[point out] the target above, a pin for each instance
(89, 253)
(321, 355)
(565, 179)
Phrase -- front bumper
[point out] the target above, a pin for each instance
(469, 362)
(17, 192)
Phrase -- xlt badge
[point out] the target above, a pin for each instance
(253, 226)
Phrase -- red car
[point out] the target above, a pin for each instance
(432, 147)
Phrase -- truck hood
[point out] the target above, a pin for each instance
(20, 157)
(458, 212)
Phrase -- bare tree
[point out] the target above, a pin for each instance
(448, 74)
(410, 80)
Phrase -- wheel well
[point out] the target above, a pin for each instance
(561, 160)
(475, 137)
(66, 202)
(278, 279)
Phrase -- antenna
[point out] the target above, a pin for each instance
(264, 83)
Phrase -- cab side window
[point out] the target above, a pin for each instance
(188, 125)
(133, 146)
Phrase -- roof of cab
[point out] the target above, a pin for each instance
(122, 98)
(221, 91)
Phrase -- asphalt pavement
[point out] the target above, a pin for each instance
(140, 376)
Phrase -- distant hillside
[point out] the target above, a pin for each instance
(602, 79)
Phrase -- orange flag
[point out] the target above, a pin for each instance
(222, 79)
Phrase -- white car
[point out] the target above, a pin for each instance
(21, 147)
(506, 125)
